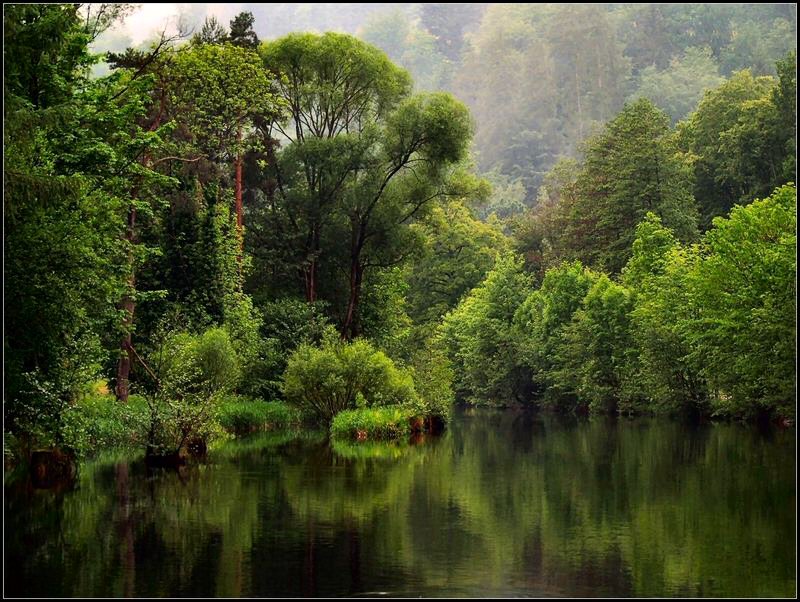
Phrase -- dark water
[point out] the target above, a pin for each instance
(504, 503)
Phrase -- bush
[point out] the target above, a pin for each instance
(195, 372)
(389, 422)
(257, 354)
(339, 376)
(284, 325)
(101, 421)
(241, 415)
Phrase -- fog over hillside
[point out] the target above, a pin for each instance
(538, 78)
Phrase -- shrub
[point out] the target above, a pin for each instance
(257, 354)
(241, 415)
(284, 325)
(195, 372)
(389, 422)
(340, 375)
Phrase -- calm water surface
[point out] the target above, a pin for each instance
(504, 503)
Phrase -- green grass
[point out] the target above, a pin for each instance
(240, 415)
(387, 422)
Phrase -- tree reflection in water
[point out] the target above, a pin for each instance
(504, 502)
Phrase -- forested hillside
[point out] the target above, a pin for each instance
(540, 78)
(579, 208)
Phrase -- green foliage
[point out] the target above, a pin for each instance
(630, 168)
(678, 88)
(360, 160)
(459, 250)
(284, 325)
(100, 422)
(240, 415)
(661, 367)
(410, 46)
(341, 375)
(593, 358)
(433, 380)
(212, 32)
(197, 266)
(739, 142)
(540, 324)
(744, 332)
(242, 33)
(538, 78)
(784, 97)
(480, 339)
(649, 251)
(199, 367)
(384, 318)
(217, 90)
(388, 422)
(194, 372)
(71, 147)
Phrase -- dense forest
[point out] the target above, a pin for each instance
(576, 208)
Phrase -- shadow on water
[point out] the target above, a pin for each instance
(503, 502)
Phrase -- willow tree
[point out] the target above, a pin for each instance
(406, 171)
(336, 88)
(359, 157)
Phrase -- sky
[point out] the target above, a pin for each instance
(148, 20)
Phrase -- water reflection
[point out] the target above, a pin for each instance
(506, 503)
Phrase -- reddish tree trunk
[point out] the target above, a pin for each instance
(239, 216)
(238, 163)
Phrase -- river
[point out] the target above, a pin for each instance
(506, 503)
